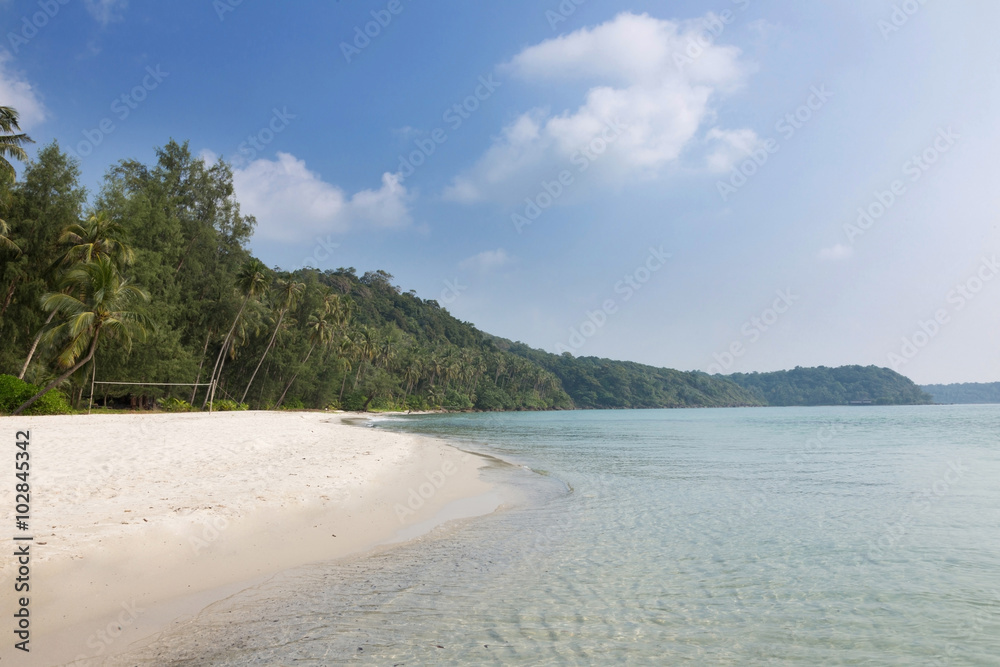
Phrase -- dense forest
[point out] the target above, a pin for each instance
(970, 392)
(151, 281)
(833, 386)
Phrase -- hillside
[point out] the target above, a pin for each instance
(968, 393)
(163, 252)
(833, 386)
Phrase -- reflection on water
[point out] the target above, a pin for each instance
(804, 536)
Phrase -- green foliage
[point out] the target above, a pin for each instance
(174, 405)
(14, 392)
(226, 405)
(833, 386)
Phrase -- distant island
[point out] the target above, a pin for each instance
(969, 392)
(153, 284)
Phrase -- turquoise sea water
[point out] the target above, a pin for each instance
(804, 536)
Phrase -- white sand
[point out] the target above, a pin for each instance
(141, 519)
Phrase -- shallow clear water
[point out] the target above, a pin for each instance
(794, 536)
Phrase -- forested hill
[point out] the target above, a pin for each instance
(970, 392)
(152, 281)
(833, 386)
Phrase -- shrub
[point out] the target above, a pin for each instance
(225, 405)
(14, 392)
(293, 404)
(353, 402)
(174, 405)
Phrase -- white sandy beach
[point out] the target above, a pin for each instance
(139, 520)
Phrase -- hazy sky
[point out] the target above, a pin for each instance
(736, 185)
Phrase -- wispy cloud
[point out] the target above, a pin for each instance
(836, 253)
(486, 261)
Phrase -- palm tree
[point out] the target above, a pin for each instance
(322, 334)
(97, 300)
(6, 242)
(288, 293)
(12, 142)
(252, 280)
(98, 237)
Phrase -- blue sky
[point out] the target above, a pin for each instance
(744, 185)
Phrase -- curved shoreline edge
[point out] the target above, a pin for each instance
(141, 521)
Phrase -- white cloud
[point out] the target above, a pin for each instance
(639, 73)
(836, 253)
(292, 203)
(485, 261)
(106, 11)
(731, 146)
(17, 92)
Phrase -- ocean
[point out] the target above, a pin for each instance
(800, 536)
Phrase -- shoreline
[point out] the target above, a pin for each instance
(138, 523)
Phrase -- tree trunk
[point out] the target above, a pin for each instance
(93, 379)
(34, 346)
(218, 359)
(9, 297)
(80, 364)
(292, 381)
(343, 384)
(194, 391)
(264, 356)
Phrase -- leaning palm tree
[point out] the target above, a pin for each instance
(321, 334)
(98, 237)
(252, 280)
(12, 142)
(97, 301)
(288, 293)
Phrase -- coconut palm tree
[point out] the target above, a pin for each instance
(321, 333)
(252, 281)
(98, 237)
(97, 301)
(12, 142)
(288, 293)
